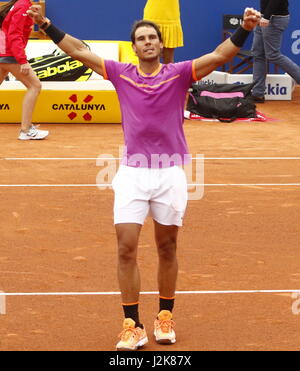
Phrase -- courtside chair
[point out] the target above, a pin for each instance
(243, 61)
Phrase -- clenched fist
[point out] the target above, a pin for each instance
(252, 18)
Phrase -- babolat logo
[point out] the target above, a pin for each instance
(56, 70)
(77, 106)
(276, 90)
(4, 107)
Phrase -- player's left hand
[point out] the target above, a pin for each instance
(252, 18)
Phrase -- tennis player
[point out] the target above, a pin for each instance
(15, 28)
(151, 178)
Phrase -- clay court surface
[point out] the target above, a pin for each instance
(244, 234)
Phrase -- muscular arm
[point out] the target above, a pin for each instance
(209, 62)
(227, 50)
(70, 45)
(77, 50)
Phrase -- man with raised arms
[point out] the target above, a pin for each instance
(151, 179)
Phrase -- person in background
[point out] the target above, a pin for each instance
(267, 43)
(166, 14)
(15, 28)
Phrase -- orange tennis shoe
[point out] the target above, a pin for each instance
(131, 337)
(164, 328)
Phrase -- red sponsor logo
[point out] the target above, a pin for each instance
(77, 108)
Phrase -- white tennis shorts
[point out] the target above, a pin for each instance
(159, 193)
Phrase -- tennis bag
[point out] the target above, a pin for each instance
(58, 66)
(225, 102)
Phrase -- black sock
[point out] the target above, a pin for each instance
(166, 303)
(132, 311)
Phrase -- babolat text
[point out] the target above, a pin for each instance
(56, 70)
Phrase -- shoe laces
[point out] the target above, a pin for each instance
(33, 131)
(34, 128)
(127, 333)
(165, 325)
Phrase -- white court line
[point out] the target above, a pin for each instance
(189, 185)
(118, 158)
(107, 293)
(149, 293)
(3, 295)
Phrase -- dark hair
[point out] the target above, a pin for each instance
(144, 23)
(4, 9)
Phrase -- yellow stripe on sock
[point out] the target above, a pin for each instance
(163, 297)
(128, 304)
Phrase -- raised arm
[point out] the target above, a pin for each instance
(230, 47)
(69, 44)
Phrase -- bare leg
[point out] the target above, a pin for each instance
(33, 86)
(166, 240)
(3, 75)
(168, 55)
(128, 272)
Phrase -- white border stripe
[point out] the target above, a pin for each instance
(222, 292)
